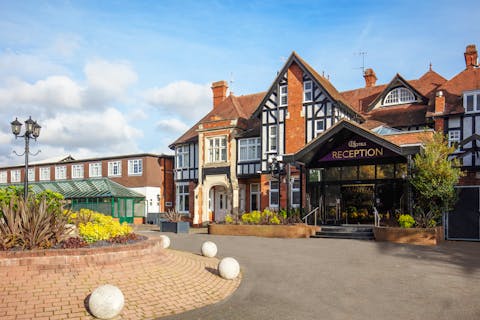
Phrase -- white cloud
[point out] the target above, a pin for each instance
(171, 125)
(97, 131)
(65, 45)
(54, 91)
(23, 65)
(184, 98)
(108, 80)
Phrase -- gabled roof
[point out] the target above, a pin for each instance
(468, 79)
(231, 108)
(404, 115)
(320, 80)
(397, 81)
(308, 152)
(84, 188)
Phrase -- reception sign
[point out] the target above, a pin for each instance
(357, 148)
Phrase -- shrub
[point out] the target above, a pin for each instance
(173, 216)
(101, 227)
(253, 217)
(32, 223)
(73, 243)
(228, 219)
(406, 221)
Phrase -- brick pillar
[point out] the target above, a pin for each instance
(295, 122)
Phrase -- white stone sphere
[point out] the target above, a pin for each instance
(106, 302)
(165, 241)
(209, 249)
(228, 268)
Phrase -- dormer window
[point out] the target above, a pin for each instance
(399, 96)
(471, 101)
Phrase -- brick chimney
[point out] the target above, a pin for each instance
(370, 78)
(219, 89)
(471, 56)
(439, 102)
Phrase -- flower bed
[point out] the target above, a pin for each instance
(269, 231)
(65, 258)
(419, 236)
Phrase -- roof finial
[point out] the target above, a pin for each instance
(430, 66)
(231, 83)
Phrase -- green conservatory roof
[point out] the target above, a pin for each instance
(84, 188)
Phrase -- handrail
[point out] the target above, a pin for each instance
(377, 217)
(315, 216)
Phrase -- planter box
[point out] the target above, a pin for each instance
(177, 227)
(268, 231)
(420, 236)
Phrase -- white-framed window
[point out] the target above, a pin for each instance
(60, 172)
(3, 176)
(135, 167)
(295, 193)
(44, 173)
(183, 157)
(274, 194)
(272, 138)
(471, 101)
(319, 126)
(308, 91)
(15, 175)
(283, 96)
(250, 149)
(217, 149)
(182, 197)
(31, 174)
(453, 137)
(77, 171)
(95, 170)
(114, 168)
(399, 96)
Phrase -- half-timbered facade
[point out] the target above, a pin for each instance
(249, 152)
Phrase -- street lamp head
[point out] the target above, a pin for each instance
(29, 124)
(36, 130)
(16, 126)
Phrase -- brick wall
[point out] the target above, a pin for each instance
(295, 123)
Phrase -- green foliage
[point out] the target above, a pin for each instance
(253, 217)
(406, 221)
(98, 226)
(265, 217)
(434, 178)
(13, 193)
(32, 223)
(228, 219)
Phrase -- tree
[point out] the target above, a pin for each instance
(434, 177)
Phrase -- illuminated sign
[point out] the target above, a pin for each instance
(355, 149)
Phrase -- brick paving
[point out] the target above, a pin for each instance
(153, 286)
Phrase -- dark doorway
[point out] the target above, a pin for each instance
(463, 223)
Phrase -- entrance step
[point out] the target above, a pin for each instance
(358, 232)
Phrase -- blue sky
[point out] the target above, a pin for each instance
(118, 77)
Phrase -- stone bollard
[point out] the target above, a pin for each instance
(228, 268)
(165, 241)
(106, 302)
(209, 249)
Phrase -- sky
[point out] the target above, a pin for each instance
(108, 78)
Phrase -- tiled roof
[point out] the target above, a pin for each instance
(231, 108)
(400, 116)
(409, 137)
(468, 79)
(84, 188)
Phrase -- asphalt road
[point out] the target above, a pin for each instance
(343, 279)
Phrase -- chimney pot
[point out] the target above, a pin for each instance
(370, 78)
(471, 56)
(219, 90)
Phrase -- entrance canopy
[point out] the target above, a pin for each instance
(347, 143)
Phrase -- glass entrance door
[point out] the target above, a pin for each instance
(357, 203)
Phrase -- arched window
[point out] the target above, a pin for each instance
(399, 96)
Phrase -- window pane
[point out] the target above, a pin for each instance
(367, 172)
(385, 171)
(469, 103)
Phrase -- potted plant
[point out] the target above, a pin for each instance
(174, 223)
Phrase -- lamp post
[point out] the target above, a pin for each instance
(275, 169)
(32, 131)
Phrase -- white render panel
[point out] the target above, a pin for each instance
(477, 125)
(309, 131)
(454, 122)
(467, 160)
(151, 194)
(467, 130)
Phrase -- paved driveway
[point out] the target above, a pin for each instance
(344, 279)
